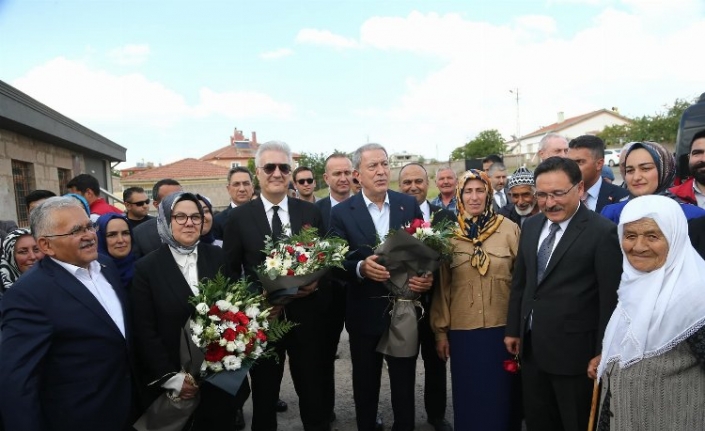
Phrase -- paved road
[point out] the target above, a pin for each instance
(345, 409)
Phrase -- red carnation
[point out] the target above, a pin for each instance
(289, 272)
(214, 311)
(229, 334)
(302, 258)
(242, 318)
(289, 249)
(249, 346)
(215, 352)
(241, 329)
(321, 256)
(229, 316)
(261, 336)
(511, 366)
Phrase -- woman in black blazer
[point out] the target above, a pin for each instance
(164, 280)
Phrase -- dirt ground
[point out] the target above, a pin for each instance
(344, 406)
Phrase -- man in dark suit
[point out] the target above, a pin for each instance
(589, 153)
(145, 238)
(564, 290)
(362, 220)
(65, 355)
(413, 181)
(240, 188)
(275, 214)
(338, 177)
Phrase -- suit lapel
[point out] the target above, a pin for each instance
(575, 228)
(175, 280)
(396, 211)
(532, 240)
(362, 217)
(75, 288)
(295, 216)
(259, 217)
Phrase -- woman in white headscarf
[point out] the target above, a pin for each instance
(653, 354)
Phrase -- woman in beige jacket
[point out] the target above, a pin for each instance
(469, 311)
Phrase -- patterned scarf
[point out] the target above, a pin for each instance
(477, 229)
(665, 164)
(164, 220)
(8, 265)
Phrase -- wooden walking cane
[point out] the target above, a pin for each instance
(593, 407)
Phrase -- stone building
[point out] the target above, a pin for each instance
(43, 149)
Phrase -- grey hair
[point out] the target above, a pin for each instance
(41, 219)
(496, 167)
(357, 155)
(549, 136)
(446, 168)
(278, 146)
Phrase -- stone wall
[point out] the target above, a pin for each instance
(44, 159)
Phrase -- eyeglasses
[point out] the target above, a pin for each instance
(554, 195)
(183, 218)
(356, 181)
(76, 231)
(303, 181)
(269, 168)
(114, 234)
(140, 203)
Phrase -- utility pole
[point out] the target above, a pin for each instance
(517, 136)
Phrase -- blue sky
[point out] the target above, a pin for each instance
(172, 79)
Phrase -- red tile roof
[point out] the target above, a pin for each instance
(181, 170)
(231, 152)
(557, 127)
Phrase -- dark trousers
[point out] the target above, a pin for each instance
(305, 358)
(335, 321)
(434, 390)
(553, 402)
(367, 375)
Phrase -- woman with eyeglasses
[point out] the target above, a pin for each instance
(19, 253)
(163, 283)
(469, 311)
(648, 169)
(115, 241)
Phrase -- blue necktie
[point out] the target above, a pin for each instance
(545, 251)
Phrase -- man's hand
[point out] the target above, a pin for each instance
(275, 311)
(513, 344)
(592, 366)
(188, 389)
(369, 268)
(307, 290)
(443, 349)
(421, 283)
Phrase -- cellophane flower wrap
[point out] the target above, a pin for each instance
(232, 327)
(416, 249)
(297, 261)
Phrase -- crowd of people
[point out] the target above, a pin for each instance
(579, 284)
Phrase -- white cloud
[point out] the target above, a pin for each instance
(238, 105)
(325, 38)
(277, 53)
(129, 55)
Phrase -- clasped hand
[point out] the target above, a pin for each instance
(369, 268)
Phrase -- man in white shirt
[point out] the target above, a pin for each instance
(498, 179)
(63, 323)
(240, 188)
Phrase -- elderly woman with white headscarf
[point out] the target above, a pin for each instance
(653, 353)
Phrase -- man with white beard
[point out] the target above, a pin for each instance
(521, 193)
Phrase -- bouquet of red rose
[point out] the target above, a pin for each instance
(297, 261)
(227, 333)
(416, 249)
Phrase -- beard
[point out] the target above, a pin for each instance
(525, 212)
(697, 173)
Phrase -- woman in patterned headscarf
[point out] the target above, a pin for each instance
(19, 253)
(648, 169)
(469, 311)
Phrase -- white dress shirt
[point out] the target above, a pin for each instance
(100, 288)
(593, 193)
(380, 218)
(426, 210)
(283, 213)
(188, 265)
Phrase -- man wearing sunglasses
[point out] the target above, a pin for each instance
(305, 184)
(136, 205)
(275, 214)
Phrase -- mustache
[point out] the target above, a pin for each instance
(553, 208)
(697, 166)
(86, 244)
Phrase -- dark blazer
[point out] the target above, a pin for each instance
(159, 296)
(219, 222)
(145, 238)
(64, 364)
(243, 243)
(609, 194)
(696, 232)
(366, 300)
(574, 301)
(325, 207)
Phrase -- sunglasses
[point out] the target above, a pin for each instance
(140, 203)
(269, 168)
(356, 181)
(303, 181)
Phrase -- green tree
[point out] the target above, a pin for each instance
(661, 127)
(485, 143)
(253, 168)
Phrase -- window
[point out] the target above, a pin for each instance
(23, 179)
(234, 164)
(64, 178)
